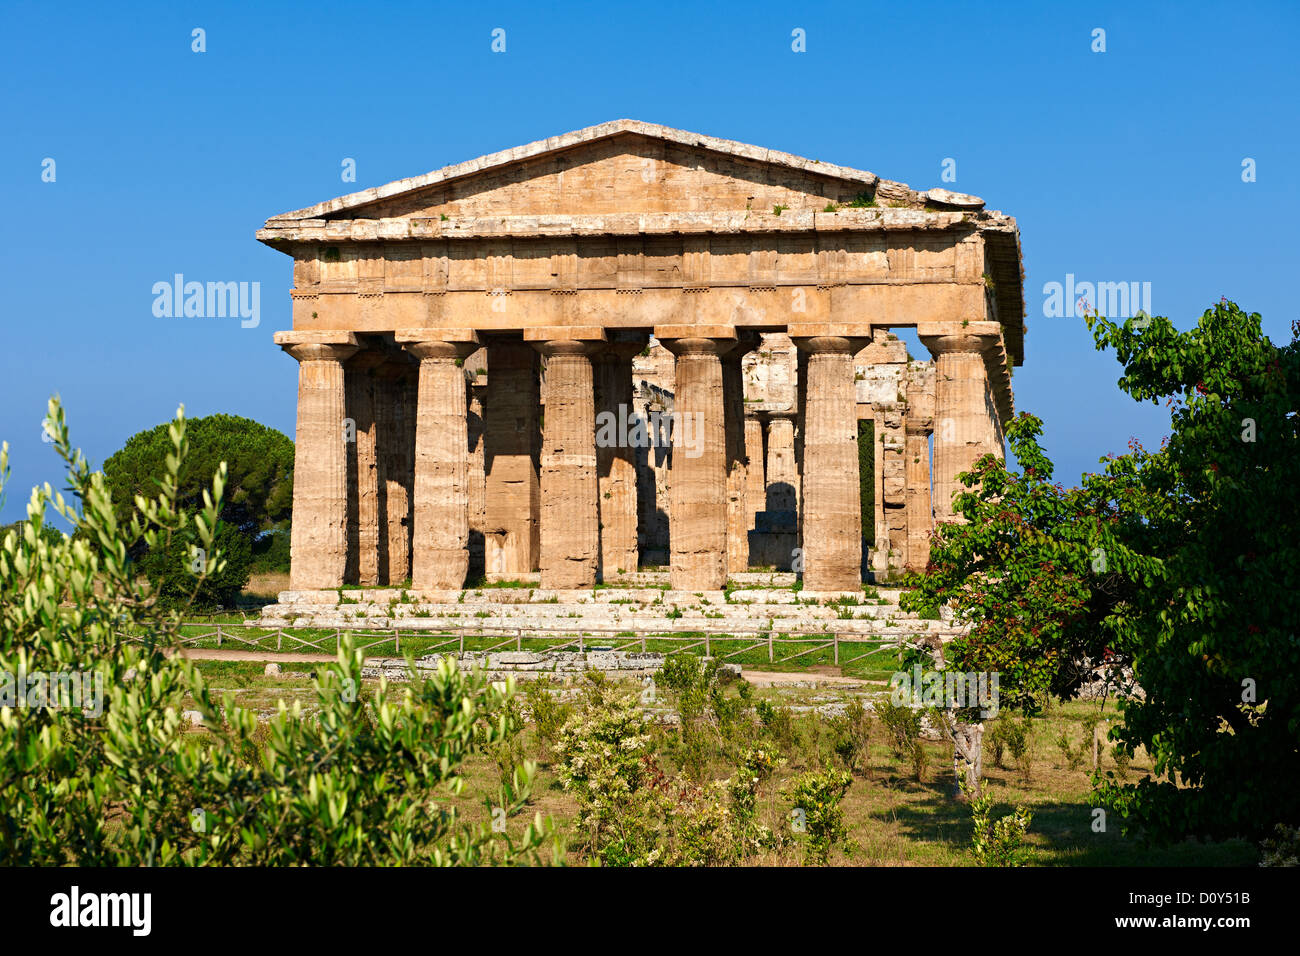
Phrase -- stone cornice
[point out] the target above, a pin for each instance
(629, 224)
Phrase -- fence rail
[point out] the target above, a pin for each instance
(367, 638)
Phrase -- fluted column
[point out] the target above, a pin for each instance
(782, 468)
(365, 469)
(800, 430)
(832, 519)
(615, 461)
(395, 415)
(318, 540)
(738, 513)
(440, 542)
(965, 419)
(920, 521)
(570, 521)
(755, 471)
(513, 524)
(698, 517)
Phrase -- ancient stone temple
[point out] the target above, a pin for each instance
(633, 345)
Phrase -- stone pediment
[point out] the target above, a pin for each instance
(625, 167)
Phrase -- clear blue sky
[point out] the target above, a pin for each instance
(1120, 166)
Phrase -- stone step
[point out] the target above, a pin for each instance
(531, 595)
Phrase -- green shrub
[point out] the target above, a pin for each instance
(817, 812)
(903, 733)
(1000, 842)
(548, 711)
(367, 779)
(1281, 849)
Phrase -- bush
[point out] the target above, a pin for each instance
(817, 812)
(1000, 842)
(852, 737)
(903, 732)
(548, 711)
(1283, 848)
(128, 782)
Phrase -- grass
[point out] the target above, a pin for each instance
(899, 821)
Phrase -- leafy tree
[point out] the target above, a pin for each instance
(1213, 633)
(1181, 562)
(365, 779)
(259, 499)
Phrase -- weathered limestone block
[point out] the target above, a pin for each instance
(699, 470)
(570, 536)
(440, 546)
(615, 460)
(318, 542)
(832, 518)
(965, 418)
(513, 521)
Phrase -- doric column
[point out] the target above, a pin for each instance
(318, 540)
(365, 469)
(440, 542)
(918, 426)
(616, 476)
(475, 397)
(920, 521)
(513, 526)
(800, 430)
(395, 414)
(738, 513)
(698, 516)
(782, 468)
(832, 519)
(965, 418)
(570, 520)
(755, 471)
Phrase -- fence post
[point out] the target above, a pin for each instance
(708, 648)
(279, 638)
(519, 639)
(837, 649)
(397, 641)
(218, 635)
(770, 658)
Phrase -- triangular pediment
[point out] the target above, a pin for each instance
(617, 168)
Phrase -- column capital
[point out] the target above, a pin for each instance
(831, 344)
(553, 348)
(320, 352)
(945, 337)
(318, 346)
(438, 343)
(697, 345)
